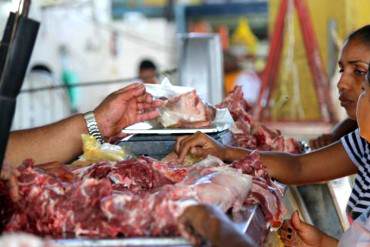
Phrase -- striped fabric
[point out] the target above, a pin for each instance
(358, 150)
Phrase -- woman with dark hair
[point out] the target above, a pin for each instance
(347, 156)
(298, 233)
(349, 89)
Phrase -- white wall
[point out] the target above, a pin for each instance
(89, 46)
(86, 31)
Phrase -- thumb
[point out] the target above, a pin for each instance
(297, 223)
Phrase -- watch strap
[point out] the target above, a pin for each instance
(92, 126)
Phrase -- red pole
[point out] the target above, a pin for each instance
(315, 62)
(270, 72)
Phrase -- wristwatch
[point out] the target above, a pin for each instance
(92, 126)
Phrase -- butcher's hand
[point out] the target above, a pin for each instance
(296, 233)
(211, 224)
(10, 174)
(125, 107)
(322, 141)
(199, 145)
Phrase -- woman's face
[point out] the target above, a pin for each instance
(363, 112)
(353, 64)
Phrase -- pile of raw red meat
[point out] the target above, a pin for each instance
(138, 197)
(250, 134)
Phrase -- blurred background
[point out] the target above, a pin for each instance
(88, 48)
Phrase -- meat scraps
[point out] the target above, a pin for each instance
(109, 199)
(250, 134)
(264, 191)
(186, 111)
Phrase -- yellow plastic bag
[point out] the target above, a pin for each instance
(93, 151)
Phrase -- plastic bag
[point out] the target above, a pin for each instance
(93, 151)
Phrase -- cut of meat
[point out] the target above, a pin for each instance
(250, 134)
(235, 102)
(270, 199)
(109, 199)
(133, 175)
(224, 187)
(264, 191)
(186, 111)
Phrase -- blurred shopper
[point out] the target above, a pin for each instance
(40, 107)
(235, 75)
(148, 72)
(355, 56)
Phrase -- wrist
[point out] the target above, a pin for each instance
(327, 241)
(226, 153)
(92, 126)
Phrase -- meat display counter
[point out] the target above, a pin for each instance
(253, 224)
(158, 146)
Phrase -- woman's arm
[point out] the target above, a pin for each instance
(324, 164)
(341, 129)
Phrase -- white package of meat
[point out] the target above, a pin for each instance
(184, 110)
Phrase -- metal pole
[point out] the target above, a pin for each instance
(18, 57)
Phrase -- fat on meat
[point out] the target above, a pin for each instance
(264, 191)
(186, 111)
(223, 186)
(24, 240)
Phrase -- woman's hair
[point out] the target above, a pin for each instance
(362, 35)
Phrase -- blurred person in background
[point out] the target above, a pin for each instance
(235, 75)
(148, 72)
(39, 107)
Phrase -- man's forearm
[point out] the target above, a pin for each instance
(60, 141)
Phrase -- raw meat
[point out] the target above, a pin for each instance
(186, 111)
(133, 175)
(235, 102)
(109, 199)
(250, 134)
(264, 191)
